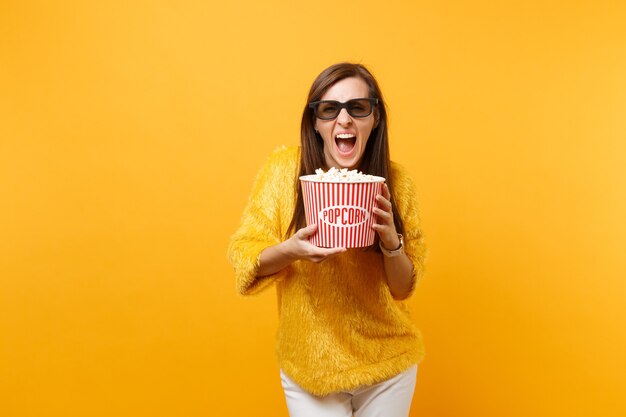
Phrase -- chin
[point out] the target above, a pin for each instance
(350, 164)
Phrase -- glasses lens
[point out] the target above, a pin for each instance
(359, 107)
(327, 110)
(330, 109)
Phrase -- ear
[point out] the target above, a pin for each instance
(376, 119)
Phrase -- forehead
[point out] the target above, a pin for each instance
(347, 89)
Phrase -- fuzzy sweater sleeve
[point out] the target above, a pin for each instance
(260, 226)
(406, 200)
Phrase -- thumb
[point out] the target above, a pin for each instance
(307, 231)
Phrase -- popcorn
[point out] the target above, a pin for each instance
(341, 175)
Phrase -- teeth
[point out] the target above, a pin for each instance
(345, 135)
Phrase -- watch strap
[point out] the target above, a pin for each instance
(395, 252)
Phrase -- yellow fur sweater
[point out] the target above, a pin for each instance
(339, 327)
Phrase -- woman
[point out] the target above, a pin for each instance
(345, 343)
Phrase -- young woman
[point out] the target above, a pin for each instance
(345, 343)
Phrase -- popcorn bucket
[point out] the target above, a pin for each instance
(342, 210)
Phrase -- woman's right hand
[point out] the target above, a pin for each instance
(297, 247)
(300, 247)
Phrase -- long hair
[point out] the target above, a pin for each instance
(375, 160)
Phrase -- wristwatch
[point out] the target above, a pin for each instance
(395, 252)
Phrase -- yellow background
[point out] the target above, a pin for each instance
(130, 133)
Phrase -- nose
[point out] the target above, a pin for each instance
(343, 118)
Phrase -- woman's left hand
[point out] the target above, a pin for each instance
(384, 225)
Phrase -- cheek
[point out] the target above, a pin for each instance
(366, 130)
(325, 130)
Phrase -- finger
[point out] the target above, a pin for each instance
(334, 251)
(383, 202)
(316, 250)
(386, 192)
(386, 233)
(321, 254)
(307, 231)
(381, 228)
(386, 216)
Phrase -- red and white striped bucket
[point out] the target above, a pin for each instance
(342, 211)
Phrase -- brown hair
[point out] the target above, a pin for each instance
(375, 160)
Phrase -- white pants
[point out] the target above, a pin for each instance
(390, 398)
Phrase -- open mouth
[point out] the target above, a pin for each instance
(345, 142)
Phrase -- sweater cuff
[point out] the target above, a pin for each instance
(248, 282)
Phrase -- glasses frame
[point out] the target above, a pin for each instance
(314, 105)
